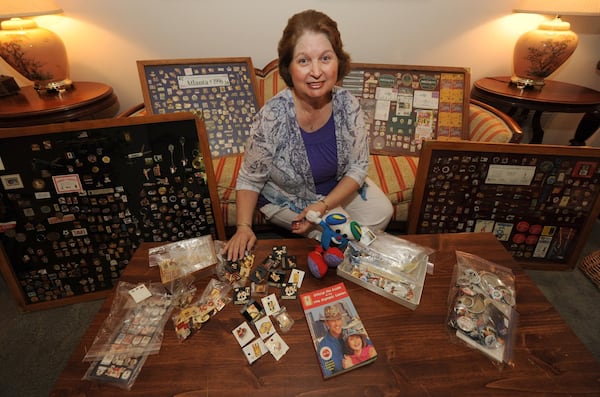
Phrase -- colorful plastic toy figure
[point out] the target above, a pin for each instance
(337, 231)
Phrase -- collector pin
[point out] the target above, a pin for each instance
(38, 184)
(198, 161)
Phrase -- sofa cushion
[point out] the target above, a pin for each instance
(226, 170)
(395, 176)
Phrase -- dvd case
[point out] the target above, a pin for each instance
(339, 336)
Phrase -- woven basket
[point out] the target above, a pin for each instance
(590, 265)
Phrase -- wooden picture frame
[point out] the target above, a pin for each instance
(222, 91)
(405, 104)
(540, 201)
(76, 199)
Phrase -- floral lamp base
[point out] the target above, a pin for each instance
(538, 53)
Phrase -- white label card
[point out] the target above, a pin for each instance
(198, 81)
(140, 293)
(520, 175)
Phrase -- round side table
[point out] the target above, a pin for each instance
(85, 101)
(555, 96)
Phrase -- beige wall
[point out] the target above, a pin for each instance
(104, 38)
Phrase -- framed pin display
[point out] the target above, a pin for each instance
(76, 199)
(406, 104)
(540, 201)
(222, 91)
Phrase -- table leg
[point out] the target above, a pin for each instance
(536, 128)
(588, 125)
(521, 116)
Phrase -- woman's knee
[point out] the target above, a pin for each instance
(382, 218)
(375, 216)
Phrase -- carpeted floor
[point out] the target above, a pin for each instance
(575, 296)
(36, 346)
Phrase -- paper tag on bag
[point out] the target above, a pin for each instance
(367, 236)
(140, 293)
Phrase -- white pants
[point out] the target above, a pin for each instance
(375, 212)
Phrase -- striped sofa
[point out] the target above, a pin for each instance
(394, 174)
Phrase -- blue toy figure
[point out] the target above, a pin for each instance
(337, 231)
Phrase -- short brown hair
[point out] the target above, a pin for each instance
(314, 21)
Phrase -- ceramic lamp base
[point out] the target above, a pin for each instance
(538, 53)
(36, 53)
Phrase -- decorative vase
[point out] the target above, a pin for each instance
(36, 53)
(538, 53)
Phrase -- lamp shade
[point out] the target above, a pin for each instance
(36, 53)
(559, 7)
(540, 52)
(27, 8)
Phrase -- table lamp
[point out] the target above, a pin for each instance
(37, 53)
(538, 53)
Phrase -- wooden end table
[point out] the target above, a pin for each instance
(555, 96)
(85, 101)
(416, 356)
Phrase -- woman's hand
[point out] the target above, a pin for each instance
(302, 226)
(243, 240)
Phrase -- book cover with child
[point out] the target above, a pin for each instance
(339, 336)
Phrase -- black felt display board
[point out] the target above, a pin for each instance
(406, 104)
(222, 91)
(76, 199)
(540, 201)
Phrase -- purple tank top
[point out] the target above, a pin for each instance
(321, 149)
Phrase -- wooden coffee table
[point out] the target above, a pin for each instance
(416, 355)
